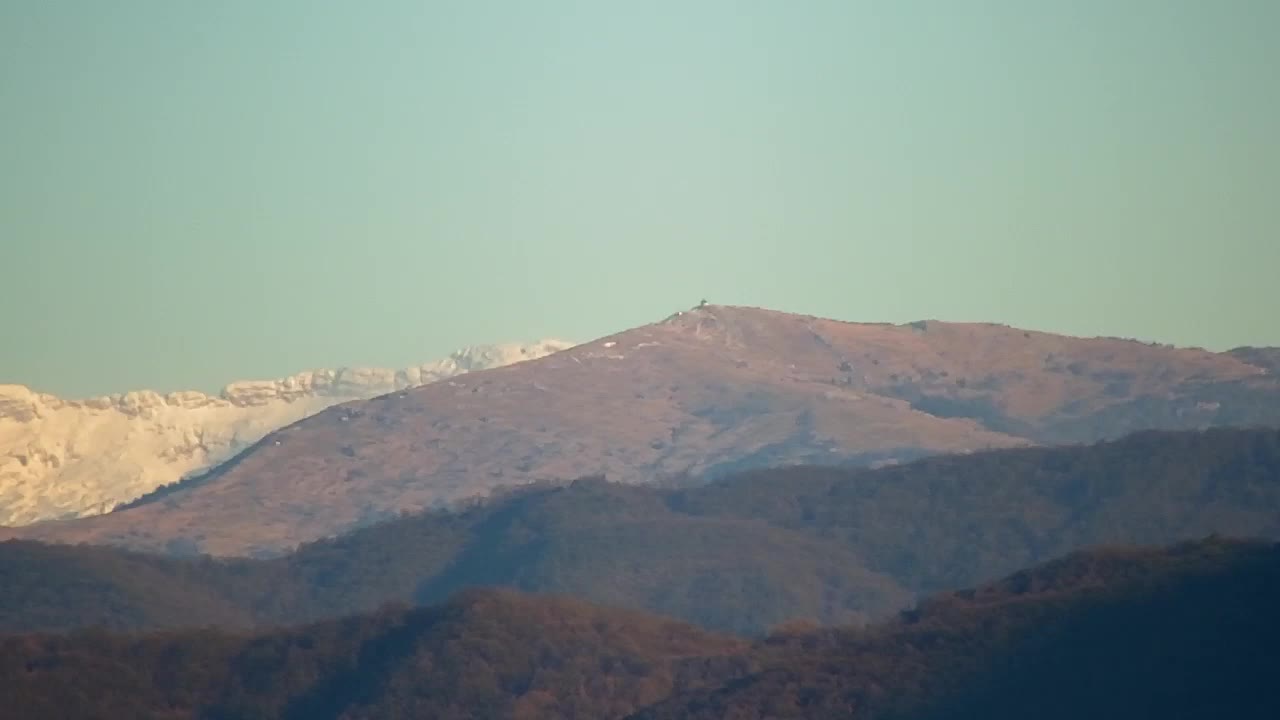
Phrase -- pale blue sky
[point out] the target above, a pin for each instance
(195, 192)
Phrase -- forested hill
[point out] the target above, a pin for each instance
(489, 654)
(742, 555)
(954, 521)
(1114, 634)
(1120, 634)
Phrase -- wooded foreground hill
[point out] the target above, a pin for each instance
(740, 555)
(707, 392)
(1186, 632)
(1114, 634)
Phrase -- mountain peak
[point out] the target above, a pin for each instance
(705, 392)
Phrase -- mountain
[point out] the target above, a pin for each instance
(597, 541)
(1114, 633)
(64, 458)
(484, 654)
(702, 393)
(743, 554)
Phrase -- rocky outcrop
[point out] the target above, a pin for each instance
(70, 458)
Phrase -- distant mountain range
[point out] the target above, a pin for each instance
(701, 394)
(1114, 634)
(64, 458)
(743, 554)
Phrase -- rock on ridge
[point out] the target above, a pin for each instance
(70, 458)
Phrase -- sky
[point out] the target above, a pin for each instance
(197, 192)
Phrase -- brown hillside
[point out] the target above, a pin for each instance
(705, 391)
(483, 654)
(1188, 631)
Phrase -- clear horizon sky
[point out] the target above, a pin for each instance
(197, 192)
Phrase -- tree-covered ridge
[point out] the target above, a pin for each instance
(1188, 631)
(483, 654)
(744, 554)
(955, 521)
(709, 392)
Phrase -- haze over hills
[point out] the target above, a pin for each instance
(704, 392)
(66, 458)
(1188, 631)
(743, 554)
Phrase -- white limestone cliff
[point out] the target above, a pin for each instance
(70, 458)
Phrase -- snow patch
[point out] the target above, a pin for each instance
(71, 458)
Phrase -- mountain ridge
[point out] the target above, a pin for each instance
(704, 392)
(1111, 632)
(742, 554)
(62, 457)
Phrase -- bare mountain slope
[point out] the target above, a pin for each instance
(64, 458)
(705, 391)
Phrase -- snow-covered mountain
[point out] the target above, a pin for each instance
(70, 458)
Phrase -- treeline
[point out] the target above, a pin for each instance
(833, 546)
(1187, 632)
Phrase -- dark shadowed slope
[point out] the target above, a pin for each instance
(949, 522)
(604, 542)
(1190, 632)
(58, 587)
(1267, 358)
(707, 391)
(488, 654)
(744, 554)
(1187, 632)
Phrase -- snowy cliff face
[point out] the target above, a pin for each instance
(62, 458)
